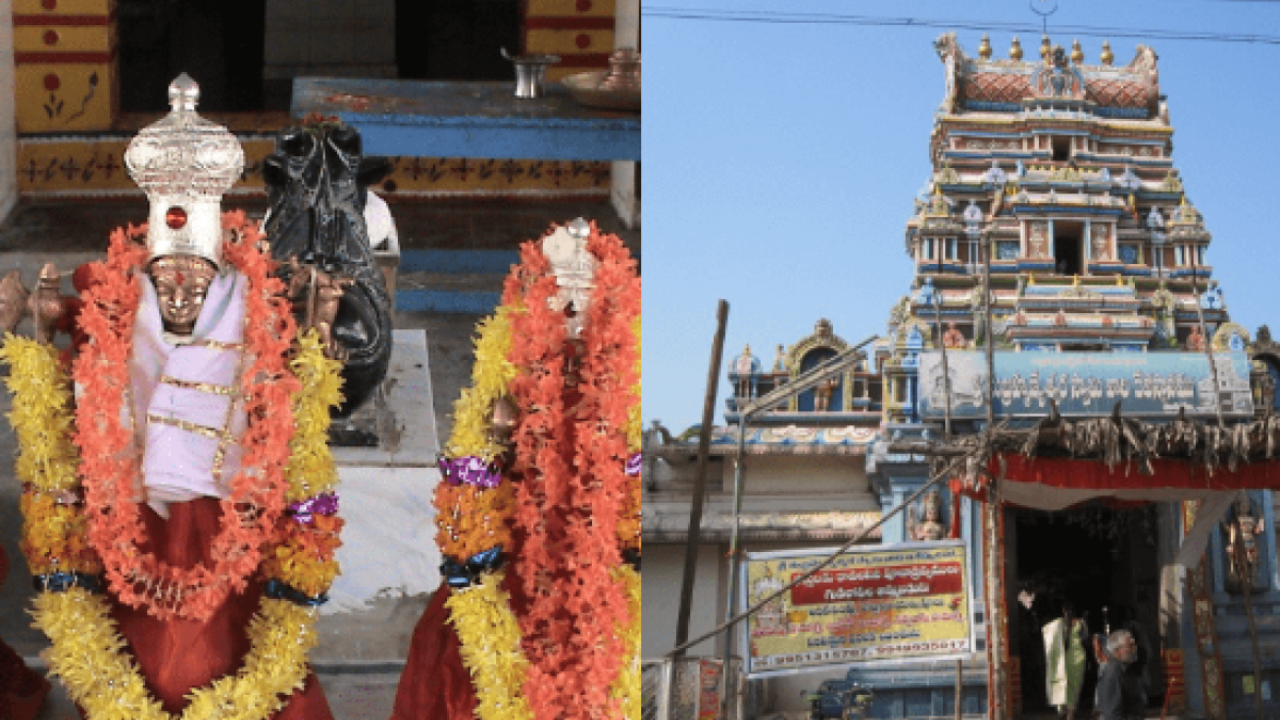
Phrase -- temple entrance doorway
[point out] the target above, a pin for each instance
(1100, 559)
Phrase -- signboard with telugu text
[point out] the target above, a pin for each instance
(891, 602)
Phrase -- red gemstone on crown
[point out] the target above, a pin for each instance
(175, 218)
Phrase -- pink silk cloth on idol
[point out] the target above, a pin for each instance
(177, 464)
(179, 656)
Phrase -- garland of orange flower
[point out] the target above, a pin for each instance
(109, 466)
(522, 350)
(574, 466)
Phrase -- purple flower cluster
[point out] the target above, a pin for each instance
(633, 464)
(323, 504)
(470, 470)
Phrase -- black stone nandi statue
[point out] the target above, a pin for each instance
(317, 185)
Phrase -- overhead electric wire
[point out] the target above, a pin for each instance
(792, 18)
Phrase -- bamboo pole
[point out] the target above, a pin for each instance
(700, 483)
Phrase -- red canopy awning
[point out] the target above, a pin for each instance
(1058, 483)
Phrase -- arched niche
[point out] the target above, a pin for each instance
(812, 351)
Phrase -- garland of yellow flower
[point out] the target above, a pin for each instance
(490, 638)
(106, 683)
(626, 689)
(303, 557)
(472, 519)
(629, 518)
(87, 650)
(53, 539)
(490, 376)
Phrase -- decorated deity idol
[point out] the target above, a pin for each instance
(538, 508)
(180, 514)
(929, 524)
(1243, 530)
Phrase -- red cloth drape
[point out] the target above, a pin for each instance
(1169, 474)
(1046, 480)
(434, 683)
(22, 689)
(177, 656)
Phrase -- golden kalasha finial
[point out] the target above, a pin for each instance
(1045, 49)
(1107, 56)
(1077, 53)
(984, 50)
(1015, 50)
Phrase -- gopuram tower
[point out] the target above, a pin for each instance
(1109, 443)
(1067, 169)
(1055, 199)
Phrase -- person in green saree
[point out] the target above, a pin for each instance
(1064, 643)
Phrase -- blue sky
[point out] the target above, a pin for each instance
(781, 161)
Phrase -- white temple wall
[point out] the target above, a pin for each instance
(663, 574)
(804, 483)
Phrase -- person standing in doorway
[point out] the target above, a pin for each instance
(1120, 695)
(1064, 642)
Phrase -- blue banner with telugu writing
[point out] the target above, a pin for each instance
(1084, 384)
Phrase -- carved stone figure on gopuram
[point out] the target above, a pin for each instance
(179, 496)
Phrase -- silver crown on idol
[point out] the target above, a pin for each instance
(185, 164)
(575, 270)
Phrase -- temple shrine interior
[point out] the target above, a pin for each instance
(245, 52)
